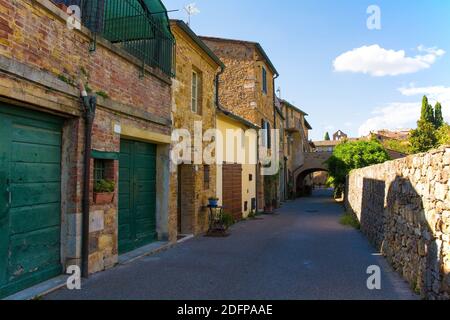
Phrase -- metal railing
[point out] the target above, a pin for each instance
(129, 25)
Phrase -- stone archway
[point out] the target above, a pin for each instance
(314, 162)
(302, 185)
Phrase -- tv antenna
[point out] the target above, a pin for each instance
(279, 92)
(191, 10)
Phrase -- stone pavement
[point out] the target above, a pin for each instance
(302, 252)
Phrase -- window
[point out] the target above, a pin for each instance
(195, 90)
(264, 80)
(265, 125)
(99, 170)
(206, 175)
(250, 177)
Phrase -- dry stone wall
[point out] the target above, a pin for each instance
(404, 210)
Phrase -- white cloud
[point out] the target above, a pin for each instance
(393, 116)
(378, 62)
(401, 115)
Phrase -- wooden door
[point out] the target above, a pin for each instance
(232, 190)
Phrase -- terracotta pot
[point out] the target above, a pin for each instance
(103, 198)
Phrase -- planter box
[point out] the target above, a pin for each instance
(103, 198)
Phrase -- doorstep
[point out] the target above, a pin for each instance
(40, 289)
(149, 249)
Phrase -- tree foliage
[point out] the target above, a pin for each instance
(427, 135)
(438, 117)
(327, 137)
(424, 137)
(427, 113)
(402, 146)
(443, 134)
(353, 155)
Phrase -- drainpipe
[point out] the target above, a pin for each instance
(274, 105)
(275, 123)
(89, 106)
(222, 70)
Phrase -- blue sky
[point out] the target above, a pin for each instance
(372, 85)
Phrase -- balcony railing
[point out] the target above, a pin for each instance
(130, 25)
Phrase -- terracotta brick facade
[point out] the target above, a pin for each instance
(41, 61)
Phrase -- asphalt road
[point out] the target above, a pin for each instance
(302, 252)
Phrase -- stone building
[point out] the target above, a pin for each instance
(340, 136)
(246, 88)
(280, 124)
(194, 110)
(44, 226)
(296, 145)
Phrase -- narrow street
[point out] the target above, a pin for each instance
(302, 252)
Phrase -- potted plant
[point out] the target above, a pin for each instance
(104, 191)
(213, 202)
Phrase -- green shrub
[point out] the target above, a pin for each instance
(353, 155)
(102, 94)
(228, 220)
(349, 219)
(104, 186)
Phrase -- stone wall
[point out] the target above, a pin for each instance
(404, 210)
(193, 192)
(240, 86)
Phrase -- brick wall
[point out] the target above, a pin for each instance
(32, 34)
(41, 61)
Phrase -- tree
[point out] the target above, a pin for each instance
(327, 137)
(443, 134)
(424, 137)
(438, 118)
(353, 155)
(427, 113)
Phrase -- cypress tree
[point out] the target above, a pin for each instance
(423, 113)
(427, 113)
(438, 118)
(327, 137)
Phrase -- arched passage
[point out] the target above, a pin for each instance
(303, 181)
(314, 162)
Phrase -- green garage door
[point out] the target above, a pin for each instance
(137, 195)
(30, 198)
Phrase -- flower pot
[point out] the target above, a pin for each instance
(214, 203)
(103, 198)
